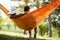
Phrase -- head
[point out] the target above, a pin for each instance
(26, 8)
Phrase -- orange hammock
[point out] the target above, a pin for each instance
(31, 20)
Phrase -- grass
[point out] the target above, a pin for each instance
(6, 37)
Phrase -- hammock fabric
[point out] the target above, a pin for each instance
(31, 20)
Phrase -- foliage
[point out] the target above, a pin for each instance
(9, 23)
(59, 33)
(1, 22)
(5, 23)
(56, 21)
(43, 29)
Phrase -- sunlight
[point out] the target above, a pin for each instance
(7, 4)
(2, 14)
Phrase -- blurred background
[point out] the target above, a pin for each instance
(49, 28)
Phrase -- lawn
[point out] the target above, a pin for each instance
(5, 35)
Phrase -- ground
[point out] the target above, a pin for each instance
(5, 35)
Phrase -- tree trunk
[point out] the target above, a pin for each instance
(26, 1)
(49, 26)
(49, 22)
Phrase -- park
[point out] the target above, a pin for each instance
(41, 22)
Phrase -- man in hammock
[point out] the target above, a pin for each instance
(26, 10)
(13, 12)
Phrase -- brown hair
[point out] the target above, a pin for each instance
(26, 8)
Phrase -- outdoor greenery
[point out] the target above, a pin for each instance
(51, 24)
(43, 29)
(6, 37)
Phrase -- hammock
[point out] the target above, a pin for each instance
(31, 20)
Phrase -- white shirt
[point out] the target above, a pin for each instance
(13, 10)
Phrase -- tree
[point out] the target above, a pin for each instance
(1, 21)
(43, 29)
(49, 19)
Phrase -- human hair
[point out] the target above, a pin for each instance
(26, 8)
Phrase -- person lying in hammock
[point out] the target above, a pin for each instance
(13, 12)
(26, 10)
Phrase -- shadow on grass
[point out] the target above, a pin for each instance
(7, 37)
